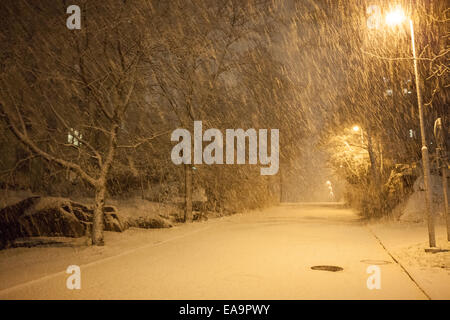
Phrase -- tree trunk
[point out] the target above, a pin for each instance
(97, 225)
(373, 161)
(100, 189)
(188, 193)
(380, 152)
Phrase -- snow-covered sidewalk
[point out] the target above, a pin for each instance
(23, 264)
(406, 242)
(263, 254)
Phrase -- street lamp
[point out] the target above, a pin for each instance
(395, 18)
(357, 128)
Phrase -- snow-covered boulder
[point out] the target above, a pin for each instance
(111, 220)
(51, 217)
(149, 222)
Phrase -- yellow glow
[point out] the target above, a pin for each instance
(395, 17)
(356, 128)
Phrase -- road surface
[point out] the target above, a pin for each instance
(258, 255)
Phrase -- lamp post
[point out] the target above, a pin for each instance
(441, 153)
(393, 18)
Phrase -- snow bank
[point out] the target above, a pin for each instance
(413, 210)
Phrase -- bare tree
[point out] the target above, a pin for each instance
(65, 94)
(199, 50)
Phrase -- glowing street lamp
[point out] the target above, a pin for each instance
(357, 128)
(393, 19)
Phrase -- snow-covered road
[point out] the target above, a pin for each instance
(257, 255)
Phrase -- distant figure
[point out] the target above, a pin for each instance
(331, 196)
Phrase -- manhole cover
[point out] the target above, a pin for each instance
(327, 268)
(375, 262)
